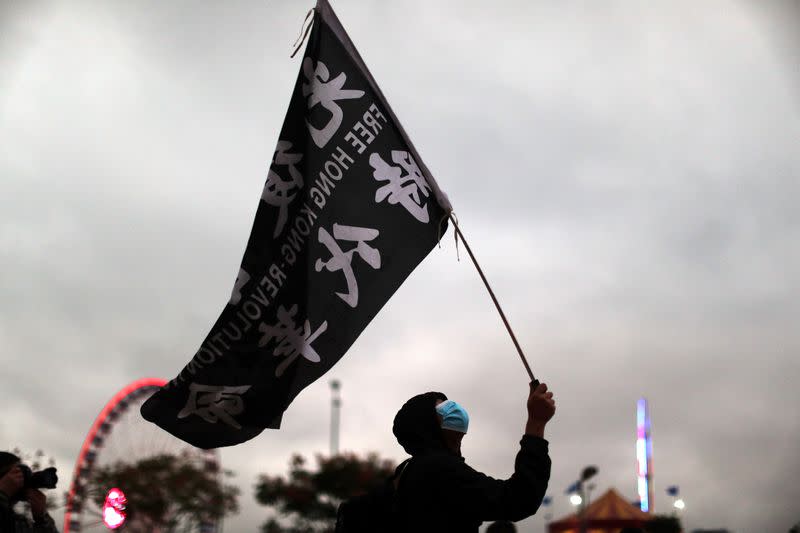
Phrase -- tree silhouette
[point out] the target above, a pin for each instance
(306, 500)
(166, 492)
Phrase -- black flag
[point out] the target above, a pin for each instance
(347, 212)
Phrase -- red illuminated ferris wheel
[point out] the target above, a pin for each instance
(117, 439)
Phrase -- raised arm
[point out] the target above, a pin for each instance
(519, 496)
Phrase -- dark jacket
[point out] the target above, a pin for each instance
(11, 522)
(438, 491)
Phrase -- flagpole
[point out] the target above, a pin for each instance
(494, 299)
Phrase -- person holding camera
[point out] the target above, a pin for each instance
(18, 483)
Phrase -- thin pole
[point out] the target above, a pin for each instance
(582, 508)
(494, 298)
(336, 403)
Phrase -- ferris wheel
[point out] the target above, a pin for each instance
(121, 441)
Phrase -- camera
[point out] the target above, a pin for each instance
(44, 479)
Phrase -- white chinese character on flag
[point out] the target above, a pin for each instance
(214, 403)
(401, 188)
(341, 260)
(241, 281)
(277, 191)
(293, 341)
(324, 91)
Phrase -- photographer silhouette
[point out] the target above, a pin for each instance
(18, 483)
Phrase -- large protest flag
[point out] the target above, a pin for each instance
(348, 210)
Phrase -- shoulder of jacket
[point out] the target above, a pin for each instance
(439, 463)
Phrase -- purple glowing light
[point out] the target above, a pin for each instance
(644, 456)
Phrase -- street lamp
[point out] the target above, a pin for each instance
(579, 493)
(677, 502)
(583, 495)
(588, 472)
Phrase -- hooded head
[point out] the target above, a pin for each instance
(417, 426)
(430, 422)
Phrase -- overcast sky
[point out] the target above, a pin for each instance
(627, 172)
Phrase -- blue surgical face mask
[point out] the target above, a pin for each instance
(453, 416)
